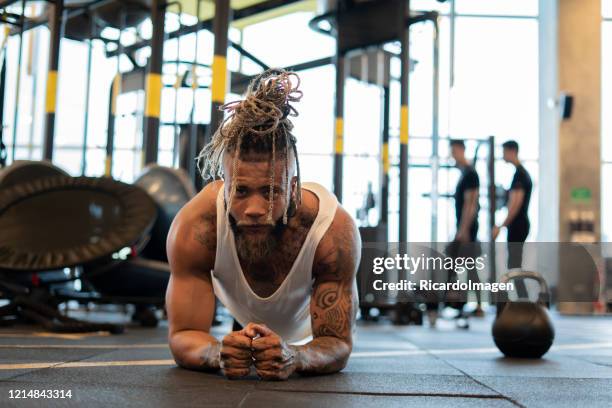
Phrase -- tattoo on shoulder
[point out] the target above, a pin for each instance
(338, 262)
(327, 268)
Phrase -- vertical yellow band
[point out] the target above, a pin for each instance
(6, 31)
(339, 145)
(385, 157)
(153, 95)
(107, 166)
(116, 92)
(194, 77)
(51, 92)
(404, 125)
(219, 74)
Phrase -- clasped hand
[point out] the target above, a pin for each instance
(259, 346)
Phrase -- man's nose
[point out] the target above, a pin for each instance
(256, 208)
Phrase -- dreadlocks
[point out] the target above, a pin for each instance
(257, 124)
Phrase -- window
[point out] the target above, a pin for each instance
(498, 7)
(314, 127)
(527, 8)
(495, 93)
(287, 40)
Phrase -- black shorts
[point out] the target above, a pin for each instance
(518, 230)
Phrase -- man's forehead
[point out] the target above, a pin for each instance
(257, 176)
(255, 164)
(255, 183)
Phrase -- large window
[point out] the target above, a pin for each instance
(314, 127)
(495, 92)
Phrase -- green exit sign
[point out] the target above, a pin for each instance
(581, 194)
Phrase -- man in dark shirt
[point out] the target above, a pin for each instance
(517, 220)
(466, 195)
(466, 210)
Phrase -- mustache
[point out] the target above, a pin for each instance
(246, 224)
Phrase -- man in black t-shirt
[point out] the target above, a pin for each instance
(466, 211)
(466, 195)
(517, 220)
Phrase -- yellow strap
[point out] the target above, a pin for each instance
(339, 136)
(194, 77)
(153, 95)
(219, 74)
(107, 166)
(385, 157)
(51, 92)
(116, 92)
(7, 30)
(404, 125)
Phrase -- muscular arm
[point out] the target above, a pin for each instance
(190, 300)
(515, 201)
(470, 203)
(334, 301)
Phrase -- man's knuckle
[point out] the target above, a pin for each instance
(236, 372)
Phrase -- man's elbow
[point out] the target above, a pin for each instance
(344, 353)
(181, 361)
(342, 363)
(177, 350)
(181, 350)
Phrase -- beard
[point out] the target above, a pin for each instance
(255, 249)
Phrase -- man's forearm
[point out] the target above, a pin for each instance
(514, 205)
(195, 350)
(512, 212)
(467, 218)
(323, 355)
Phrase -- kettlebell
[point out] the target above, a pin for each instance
(523, 328)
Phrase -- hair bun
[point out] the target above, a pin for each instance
(267, 102)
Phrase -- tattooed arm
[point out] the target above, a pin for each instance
(190, 301)
(334, 302)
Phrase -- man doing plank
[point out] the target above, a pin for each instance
(280, 255)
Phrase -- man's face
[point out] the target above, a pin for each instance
(457, 153)
(509, 155)
(256, 235)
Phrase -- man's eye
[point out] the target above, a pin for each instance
(275, 192)
(241, 191)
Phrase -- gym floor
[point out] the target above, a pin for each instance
(391, 366)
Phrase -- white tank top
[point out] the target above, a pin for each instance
(287, 310)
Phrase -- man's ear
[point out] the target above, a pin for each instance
(294, 187)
